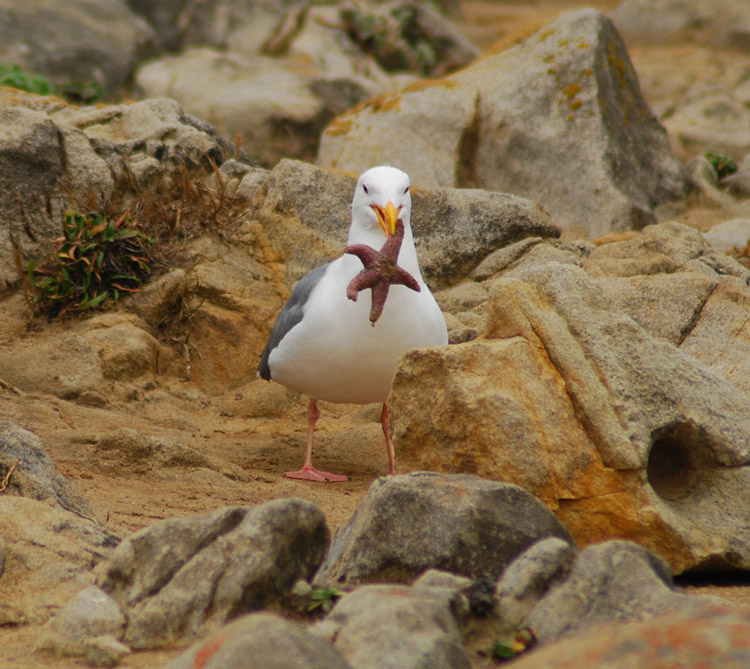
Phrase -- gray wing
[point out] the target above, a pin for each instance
(290, 315)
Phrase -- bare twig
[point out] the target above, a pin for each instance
(6, 481)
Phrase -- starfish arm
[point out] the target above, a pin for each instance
(379, 296)
(402, 277)
(367, 278)
(368, 255)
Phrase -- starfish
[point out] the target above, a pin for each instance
(380, 272)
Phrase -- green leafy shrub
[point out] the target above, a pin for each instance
(73, 91)
(13, 76)
(97, 259)
(723, 165)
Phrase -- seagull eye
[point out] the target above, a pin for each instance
(364, 188)
(406, 190)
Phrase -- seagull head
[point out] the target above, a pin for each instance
(381, 198)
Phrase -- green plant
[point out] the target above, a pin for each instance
(98, 258)
(506, 649)
(324, 598)
(13, 76)
(723, 165)
(73, 91)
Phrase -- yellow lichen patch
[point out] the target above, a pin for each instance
(588, 72)
(422, 84)
(385, 103)
(543, 36)
(575, 104)
(583, 45)
(572, 90)
(339, 126)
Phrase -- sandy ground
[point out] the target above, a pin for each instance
(129, 496)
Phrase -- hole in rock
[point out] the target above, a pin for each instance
(680, 453)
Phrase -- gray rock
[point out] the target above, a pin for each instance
(600, 162)
(261, 640)
(710, 118)
(722, 24)
(502, 258)
(180, 577)
(88, 615)
(719, 337)
(409, 36)
(612, 581)
(454, 228)
(409, 523)
(31, 165)
(705, 180)
(667, 306)
(79, 40)
(739, 183)
(529, 577)
(275, 105)
(391, 627)
(729, 235)
(462, 297)
(659, 249)
(35, 475)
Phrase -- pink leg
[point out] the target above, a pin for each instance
(308, 472)
(388, 442)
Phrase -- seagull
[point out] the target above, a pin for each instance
(330, 345)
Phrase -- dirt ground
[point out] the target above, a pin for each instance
(129, 496)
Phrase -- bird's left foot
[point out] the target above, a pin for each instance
(312, 474)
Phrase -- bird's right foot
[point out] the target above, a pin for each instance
(312, 474)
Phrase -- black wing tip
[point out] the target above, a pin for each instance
(264, 371)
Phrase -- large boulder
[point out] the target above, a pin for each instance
(455, 229)
(77, 41)
(611, 581)
(410, 523)
(558, 119)
(55, 156)
(180, 577)
(277, 107)
(567, 396)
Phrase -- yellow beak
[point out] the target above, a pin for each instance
(387, 218)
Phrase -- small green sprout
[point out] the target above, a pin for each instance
(506, 649)
(324, 598)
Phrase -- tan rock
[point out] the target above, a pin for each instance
(616, 430)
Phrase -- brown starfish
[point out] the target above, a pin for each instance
(380, 272)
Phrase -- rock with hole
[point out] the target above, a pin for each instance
(619, 431)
